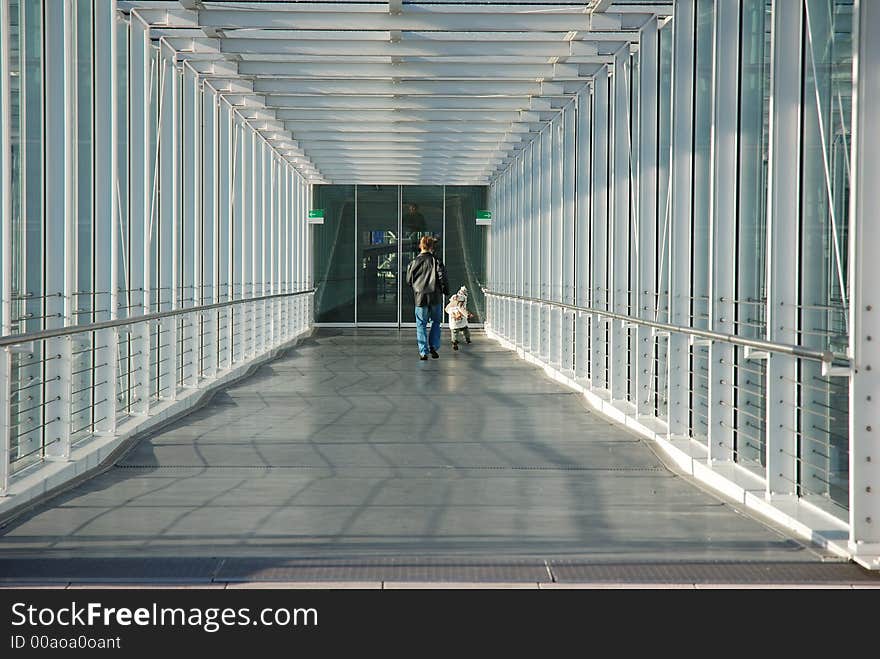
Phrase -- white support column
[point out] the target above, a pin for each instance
(284, 239)
(274, 305)
(783, 202)
(208, 220)
(259, 250)
(245, 311)
(599, 298)
(583, 156)
(136, 384)
(168, 225)
(620, 224)
(528, 247)
(233, 216)
(152, 93)
(222, 259)
(189, 245)
(557, 236)
(680, 217)
(264, 255)
(722, 229)
(60, 247)
(569, 200)
(864, 413)
(106, 218)
(533, 309)
(646, 219)
(6, 247)
(517, 239)
(546, 182)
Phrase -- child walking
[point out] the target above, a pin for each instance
(458, 317)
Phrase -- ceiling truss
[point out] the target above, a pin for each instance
(400, 91)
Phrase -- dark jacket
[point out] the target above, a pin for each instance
(427, 276)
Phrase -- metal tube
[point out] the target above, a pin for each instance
(826, 356)
(15, 339)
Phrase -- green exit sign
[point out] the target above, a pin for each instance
(316, 216)
(484, 217)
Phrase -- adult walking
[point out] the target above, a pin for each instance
(427, 276)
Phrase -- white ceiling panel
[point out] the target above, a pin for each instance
(402, 91)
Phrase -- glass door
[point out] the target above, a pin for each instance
(421, 215)
(378, 278)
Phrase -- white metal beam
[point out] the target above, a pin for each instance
(864, 428)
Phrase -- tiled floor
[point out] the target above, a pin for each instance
(349, 450)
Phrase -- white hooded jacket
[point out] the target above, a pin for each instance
(457, 309)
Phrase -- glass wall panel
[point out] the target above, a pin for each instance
(703, 99)
(334, 254)
(751, 230)
(378, 276)
(826, 126)
(465, 244)
(26, 70)
(421, 215)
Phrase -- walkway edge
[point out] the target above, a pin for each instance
(786, 512)
(101, 452)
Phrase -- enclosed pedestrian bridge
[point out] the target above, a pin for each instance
(662, 214)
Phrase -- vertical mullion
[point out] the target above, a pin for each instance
(169, 212)
(646, 285)
(620, 224)
(106, 216)
(722, 228)
(246, 322)
(547, 238)
(5, 246)
(191, 199)
(139, 102)
(864, 428)
(783, 203)
(567, 239)
(599, 298)
(60, 248)
(680, 218)
(582, 261)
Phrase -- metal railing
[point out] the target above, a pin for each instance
(825, 356)
(57, 392)
(729, 413)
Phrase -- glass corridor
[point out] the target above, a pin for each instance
(683, 198)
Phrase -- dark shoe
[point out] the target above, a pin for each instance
(467, 340)
(423, 357)
(455, 345)
(434, 353)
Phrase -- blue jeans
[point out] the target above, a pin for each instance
(423, 315)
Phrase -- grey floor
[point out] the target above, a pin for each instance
(348, 458)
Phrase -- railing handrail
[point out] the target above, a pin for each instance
(67, 330)
(826, 356)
